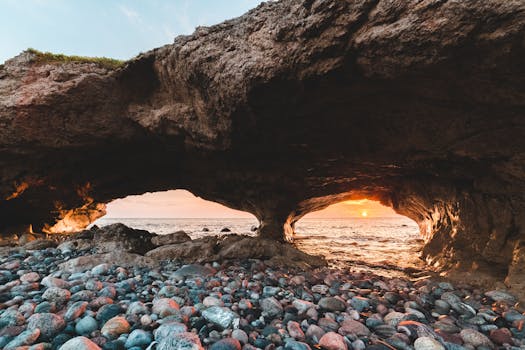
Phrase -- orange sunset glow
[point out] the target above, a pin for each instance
(183, 204)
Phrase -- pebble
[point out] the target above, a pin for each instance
(165, 307)
(475, 338)
(27, 337)
(498, 295)
(57, 295)
(333, 341)
(180, 341)
(302, 305)
(114, 327)
(393, 318)
(226, 344)
(169, 328)
(426, 343)
(75, 310)
(139, 338)
(212, 301)
(107, 312)
(100, 269)
(271, 307)
(79, 343)
(51, 282)
(332, 304)
(221, 316)
(240, 335)
(295, 331)
(86, 325)
(48, 323)
(30, 277)
(353, 327)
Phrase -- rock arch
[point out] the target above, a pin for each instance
(297, 104)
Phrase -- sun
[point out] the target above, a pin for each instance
(364, 214)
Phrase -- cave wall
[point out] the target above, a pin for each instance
(290, 108)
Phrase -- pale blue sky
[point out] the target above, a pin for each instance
(113, 28)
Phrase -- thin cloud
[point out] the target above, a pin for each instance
(132, 15)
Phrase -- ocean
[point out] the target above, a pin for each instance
(388, 246)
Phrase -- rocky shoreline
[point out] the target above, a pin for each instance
(96, 290)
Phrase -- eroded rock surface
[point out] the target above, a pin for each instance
(292, 107)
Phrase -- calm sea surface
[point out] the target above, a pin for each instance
(386, 246)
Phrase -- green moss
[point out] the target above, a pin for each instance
(48, 57)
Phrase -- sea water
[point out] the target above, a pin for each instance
(382, 245)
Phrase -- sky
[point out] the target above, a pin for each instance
(183, 204)
(122, 29)
(112, 28)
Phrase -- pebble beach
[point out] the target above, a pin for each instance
(241, 304)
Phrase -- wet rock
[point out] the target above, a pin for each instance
(165, 307)
(53, 282)
(221, 316)
(48, 323)
(172, 238)
(169, 328)
(107, 312)
(30, 277)
(359, 303)
(100, 269)
(123, 258)
(296, 345)
(302, 305)
(137, 308)
(75, 310)
(332, 304)
(86, 325)
(240, 335)
(333, 341)
(501, 336)
(40, 244)
(212, 301)
(180, 341)
(353, 327)
(119, 237)
(226, 344)
(115, 327)
(56, 295)
(442, 307)
(11, 318)
(328, 324)
(139, 338)
(295, 331)
(27, 337)
(426, 343)
(197, 250)
(320, 289)
(385, 331)
(498, 295)
(79, 343)
(393, 318)
(314, 332)
(475, 338)
(271, 307)
(72, 245)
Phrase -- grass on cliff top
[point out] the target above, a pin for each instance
(48, 57)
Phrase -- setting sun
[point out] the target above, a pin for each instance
(364, 214)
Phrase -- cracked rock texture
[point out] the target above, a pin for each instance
(292, 107)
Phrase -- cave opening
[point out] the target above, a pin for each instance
(169, 211)
(362, 233)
